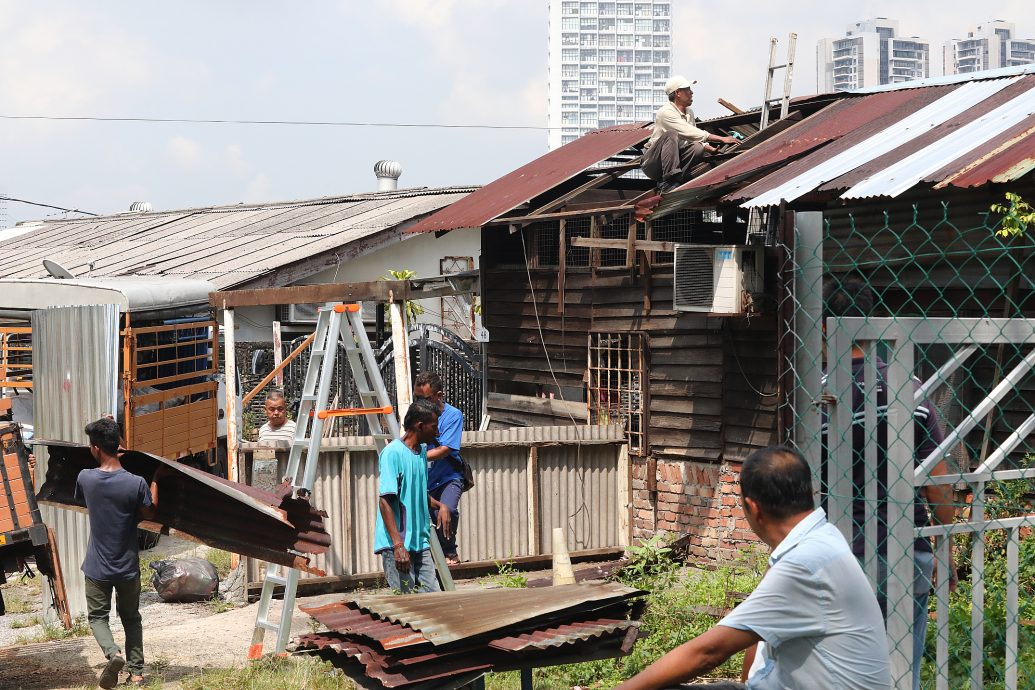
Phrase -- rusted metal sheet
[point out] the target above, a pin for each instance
(1007, 162)
(595, 622)
(531, 180)
(445, 617)
(272, 526)
(564, 634)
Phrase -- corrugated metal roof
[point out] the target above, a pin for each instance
(445, 617)
(889, 138)
(531, 180)
(227, 245)
(949, 79)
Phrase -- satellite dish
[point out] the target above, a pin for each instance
(56, 270)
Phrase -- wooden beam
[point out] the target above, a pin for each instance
(642, 245)
(277, 370)
(624, 207)
(594, 233)
(607, 175)
(372, 291)
(730, 107)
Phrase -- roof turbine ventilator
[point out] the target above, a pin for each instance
(140, 207)
(388, 174)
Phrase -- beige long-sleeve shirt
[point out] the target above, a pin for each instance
(668, 118)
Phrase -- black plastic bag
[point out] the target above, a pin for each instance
(185, 579)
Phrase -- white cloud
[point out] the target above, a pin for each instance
(258, 188)
(185, 152)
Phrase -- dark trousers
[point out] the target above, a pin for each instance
(127, 603)
(670, 159)
(449, 494)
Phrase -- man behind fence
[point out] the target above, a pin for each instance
(813, 608)
(851, 296)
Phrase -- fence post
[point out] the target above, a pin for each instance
(808, 325)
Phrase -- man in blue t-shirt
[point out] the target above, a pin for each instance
(115, 502)
(446, 470)
(403, 522)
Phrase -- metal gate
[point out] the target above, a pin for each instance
(924, 339)
(432, 348)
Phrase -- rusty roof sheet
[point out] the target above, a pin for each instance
(446, 617)
(272, 526)
(935, 134)
(531, 180)
(564, 634)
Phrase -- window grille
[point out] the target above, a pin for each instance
(616, 380)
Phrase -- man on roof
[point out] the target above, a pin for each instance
(677, 143)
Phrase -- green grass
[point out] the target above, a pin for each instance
(220, 559)
(16, 603)
(51, 632)
(272, 673)
(25, 622)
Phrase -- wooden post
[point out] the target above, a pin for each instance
(625, 501)
(401, 355)
(594, 252)
(534, 527)
(278, 354)
(232, 429)
(562, 264)
(630, 249)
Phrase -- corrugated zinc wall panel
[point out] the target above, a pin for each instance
(75, 361)
(579, 492)
(578, 486)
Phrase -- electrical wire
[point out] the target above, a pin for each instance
(37, 203)
(579, 469)
(300, 123)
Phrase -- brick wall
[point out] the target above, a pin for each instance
(697, 499)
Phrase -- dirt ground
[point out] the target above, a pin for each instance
(179, 639)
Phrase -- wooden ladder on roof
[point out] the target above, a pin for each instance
(788, 75)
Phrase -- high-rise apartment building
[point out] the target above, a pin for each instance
(608, 64)
(869, 54)
(987, 46)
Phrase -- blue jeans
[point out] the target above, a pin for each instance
(421, 578)
(923, 575)
(449, 494)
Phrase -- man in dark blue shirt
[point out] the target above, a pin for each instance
(115, 502)
(445, 466)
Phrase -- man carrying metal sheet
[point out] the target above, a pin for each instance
(677, 143)
(814, 608)
(116, 501)
(403, 522)
(446, 471)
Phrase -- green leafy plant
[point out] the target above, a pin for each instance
(413, 309)
(649, 558)
(507, 576)
(1017, 215)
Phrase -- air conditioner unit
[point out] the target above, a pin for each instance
(717, 279)
(299, 313)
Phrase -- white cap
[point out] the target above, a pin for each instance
(676, 83)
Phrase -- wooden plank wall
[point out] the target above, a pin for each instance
(701, 406)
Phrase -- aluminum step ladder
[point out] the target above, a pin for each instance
(788, 67)
(335, 323)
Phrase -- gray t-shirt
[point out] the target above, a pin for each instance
(112, 502)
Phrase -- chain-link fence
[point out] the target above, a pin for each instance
(908, 368)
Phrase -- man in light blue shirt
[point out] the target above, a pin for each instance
(814, 608)
(403, 522)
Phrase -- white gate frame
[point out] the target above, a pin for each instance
(900, 335)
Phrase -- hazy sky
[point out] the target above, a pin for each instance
(404, 61)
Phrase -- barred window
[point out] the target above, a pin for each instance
(616, 383)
